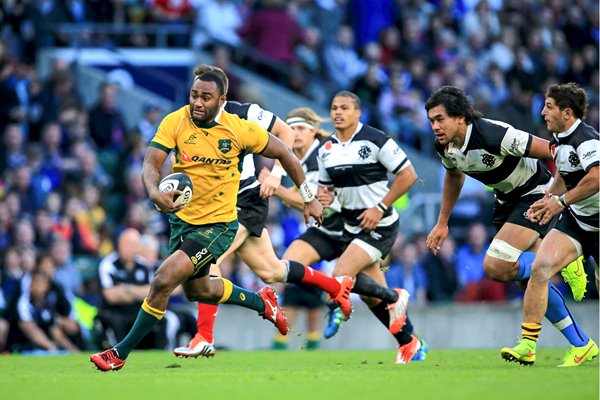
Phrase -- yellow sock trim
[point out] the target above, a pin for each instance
(227, 290)
(315, 335)
(531, 330)
(152, 311)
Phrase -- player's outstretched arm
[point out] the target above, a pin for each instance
(271, 182)
(279, 151)
(453, 183)
(153, 160)
(540, 148)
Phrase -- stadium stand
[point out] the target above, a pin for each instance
(73, 187)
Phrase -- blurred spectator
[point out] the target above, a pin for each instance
(149, 123)
(90, 172)
(217, 21)
(66, 273)
(482, 19)
(440, 271)
(43, 229)
(222, 59)
(368, 88)
(46, 159)
(406, 272)
(125, 281)
(329, 16)
(41, 317)
(309, 52)
(12, 153)
(58, 93)
(20, 184)
(176, 13)
(475, 286)
(342, 63)
(107, 127)
(274, 33)
(391, 45)
(4, 326)
(5, 226)
(11, 272)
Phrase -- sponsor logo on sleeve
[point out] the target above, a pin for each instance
(515, 144)
(589, 154)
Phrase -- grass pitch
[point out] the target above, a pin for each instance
(331, 375)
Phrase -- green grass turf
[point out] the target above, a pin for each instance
(331, 375)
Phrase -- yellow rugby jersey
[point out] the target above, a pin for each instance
(211, 157)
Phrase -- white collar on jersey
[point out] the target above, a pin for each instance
(358, 128)
(467, 138)
(312, 148)
(568, 132)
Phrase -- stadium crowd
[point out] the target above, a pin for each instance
(70, 185)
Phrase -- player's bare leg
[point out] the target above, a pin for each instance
(556, 251)
(202, 344)
(258, 254)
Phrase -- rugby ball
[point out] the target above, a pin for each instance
(178, 181)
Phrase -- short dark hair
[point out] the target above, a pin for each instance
(211, 68)
(569, 95)
(211, 76)
(455, 101)
(346, 93)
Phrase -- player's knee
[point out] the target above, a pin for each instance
(272, 273)
(501, 261)
(541, 269)
(498, 270)
(162, 282)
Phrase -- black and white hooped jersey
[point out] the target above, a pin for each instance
(265, 119)
(333, 223)
(358, 170)
(575, 152)
(495, 153)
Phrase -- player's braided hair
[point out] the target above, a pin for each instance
(455, 101)
(569, 95)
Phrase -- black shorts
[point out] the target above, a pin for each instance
(252, 211)
(382, 238)
(568, 225)
(302, 296)
(515, 212)
(329, 247)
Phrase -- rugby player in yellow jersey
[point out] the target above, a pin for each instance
(201, 231)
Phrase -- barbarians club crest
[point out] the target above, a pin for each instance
(574, 159)
(224, 145)
(488, 160)
(364, 152)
